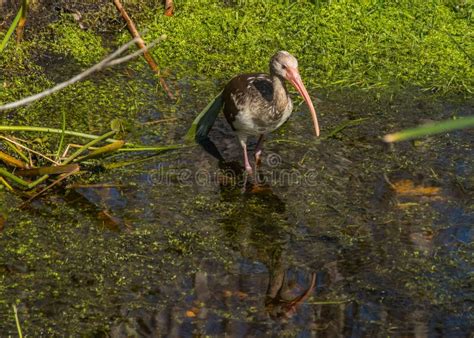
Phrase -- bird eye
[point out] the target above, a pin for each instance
(283, 66)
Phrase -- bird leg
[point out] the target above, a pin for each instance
(243, 143)
(258, 150)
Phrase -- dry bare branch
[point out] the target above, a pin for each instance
(141, 44)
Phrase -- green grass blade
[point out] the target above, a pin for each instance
(17, 321)
(128, 145)
(154, 148)
(88, 145)
(430, 129)
(63, 134)
(11, 29)
(55, 131)
(20, 182)
(345, 125)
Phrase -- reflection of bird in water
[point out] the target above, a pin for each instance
(259, 226)
(279, 302)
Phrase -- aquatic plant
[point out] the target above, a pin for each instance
(430, 129)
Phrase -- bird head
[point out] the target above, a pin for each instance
(285, 65)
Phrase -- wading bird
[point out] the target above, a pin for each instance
(256, 104)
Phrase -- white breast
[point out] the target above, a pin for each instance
(245, 121)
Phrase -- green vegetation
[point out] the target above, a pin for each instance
(10, 31)
(405, 257)
(340, 44)
(84, 46)
(430, 129)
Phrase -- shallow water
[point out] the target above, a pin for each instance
(342, 236)
(174, 246)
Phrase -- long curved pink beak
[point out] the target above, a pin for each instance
(294, 77)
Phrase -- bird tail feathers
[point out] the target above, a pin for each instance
(205, 120)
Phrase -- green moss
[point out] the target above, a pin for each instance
(83, 45)
(20, 75)
(343, 44)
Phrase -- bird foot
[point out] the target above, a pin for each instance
(258, 158)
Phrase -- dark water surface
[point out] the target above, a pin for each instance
(345, 236)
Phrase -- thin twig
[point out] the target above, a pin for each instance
(63, 128)
(94, 186)
(86, 146)
(157, 148)
(61, 178)
(66, 151)
(388, 181)
(73, 145)
(99, 66)
(171, 119)
(54, 131)
(137, 53)
(17, 150)
(141, 44)
(29, 149)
